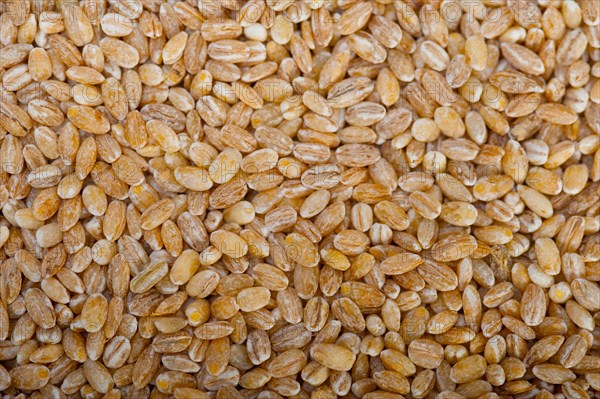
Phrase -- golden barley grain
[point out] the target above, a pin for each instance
(315, 199)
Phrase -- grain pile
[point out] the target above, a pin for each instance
(300, 199)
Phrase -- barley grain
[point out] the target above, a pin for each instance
(299, 199)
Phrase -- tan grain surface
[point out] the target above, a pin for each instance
(307, 199)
